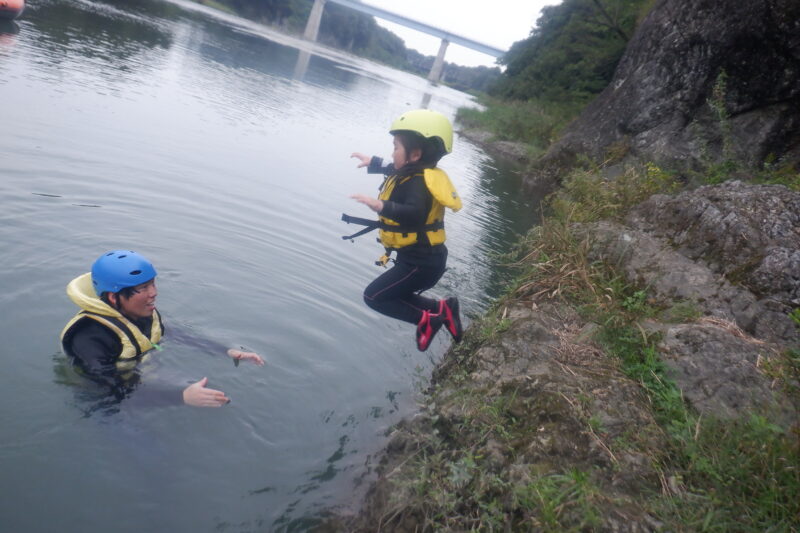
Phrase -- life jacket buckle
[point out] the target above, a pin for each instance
(383, 260)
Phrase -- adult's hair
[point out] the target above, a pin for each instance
(126, 293)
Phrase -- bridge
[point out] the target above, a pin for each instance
(314, 19)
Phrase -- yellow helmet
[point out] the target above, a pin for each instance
(429, 124)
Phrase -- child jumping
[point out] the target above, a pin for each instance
(410, 206)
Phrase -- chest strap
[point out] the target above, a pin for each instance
(371, 225)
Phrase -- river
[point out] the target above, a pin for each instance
(219, 149)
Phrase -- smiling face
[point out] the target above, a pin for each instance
(142, 301)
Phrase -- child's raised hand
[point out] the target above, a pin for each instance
(373, 203)
(365, 159)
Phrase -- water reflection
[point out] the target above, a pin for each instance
(102, 31)
(301, 66)
(245, 51)
(426, 100)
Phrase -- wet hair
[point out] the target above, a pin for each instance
(432, 149)
(126, 293)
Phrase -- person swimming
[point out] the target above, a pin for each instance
(118, 326)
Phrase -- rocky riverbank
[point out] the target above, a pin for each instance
(644, 374)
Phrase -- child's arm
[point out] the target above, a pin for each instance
(374, 164)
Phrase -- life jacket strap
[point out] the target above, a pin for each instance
(375, 224)
(370, 225)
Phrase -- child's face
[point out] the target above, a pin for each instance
(399, 156)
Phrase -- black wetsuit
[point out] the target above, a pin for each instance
(95, 350)
(419, 266)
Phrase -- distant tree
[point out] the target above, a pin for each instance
(571, 53)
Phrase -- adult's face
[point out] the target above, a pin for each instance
(141, 303)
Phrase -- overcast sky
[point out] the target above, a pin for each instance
(499, 23)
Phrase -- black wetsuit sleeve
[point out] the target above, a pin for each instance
(95, 349)
(376, 167)
(184, 336)
(409, 203)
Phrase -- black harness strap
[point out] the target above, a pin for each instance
(375, 224)
(370, 225)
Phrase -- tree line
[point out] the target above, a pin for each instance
(571, 52)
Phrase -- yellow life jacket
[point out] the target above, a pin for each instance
(394, 236)
(135, 344)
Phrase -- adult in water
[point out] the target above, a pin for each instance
(118, 326)
(410, 206)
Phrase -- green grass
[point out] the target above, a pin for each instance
(535, 123)
(452, 484)
(586, 196)
(548, 499)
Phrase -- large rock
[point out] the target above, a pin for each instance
(651, 262)
(719, 371)
(657, 105)
(748, 233)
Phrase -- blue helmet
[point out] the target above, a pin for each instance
(119, 269)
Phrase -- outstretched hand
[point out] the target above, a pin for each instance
(198, 395)
(239, 355)
(365, 159)
(373, 203)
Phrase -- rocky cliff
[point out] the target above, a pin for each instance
(701, 81)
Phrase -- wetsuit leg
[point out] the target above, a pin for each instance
(394, 293)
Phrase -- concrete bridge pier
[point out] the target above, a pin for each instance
(435, 74)
(314, 19)
(438, 64)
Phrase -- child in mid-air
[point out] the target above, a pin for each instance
(411, 206)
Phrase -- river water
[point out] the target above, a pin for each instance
(219, 149)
